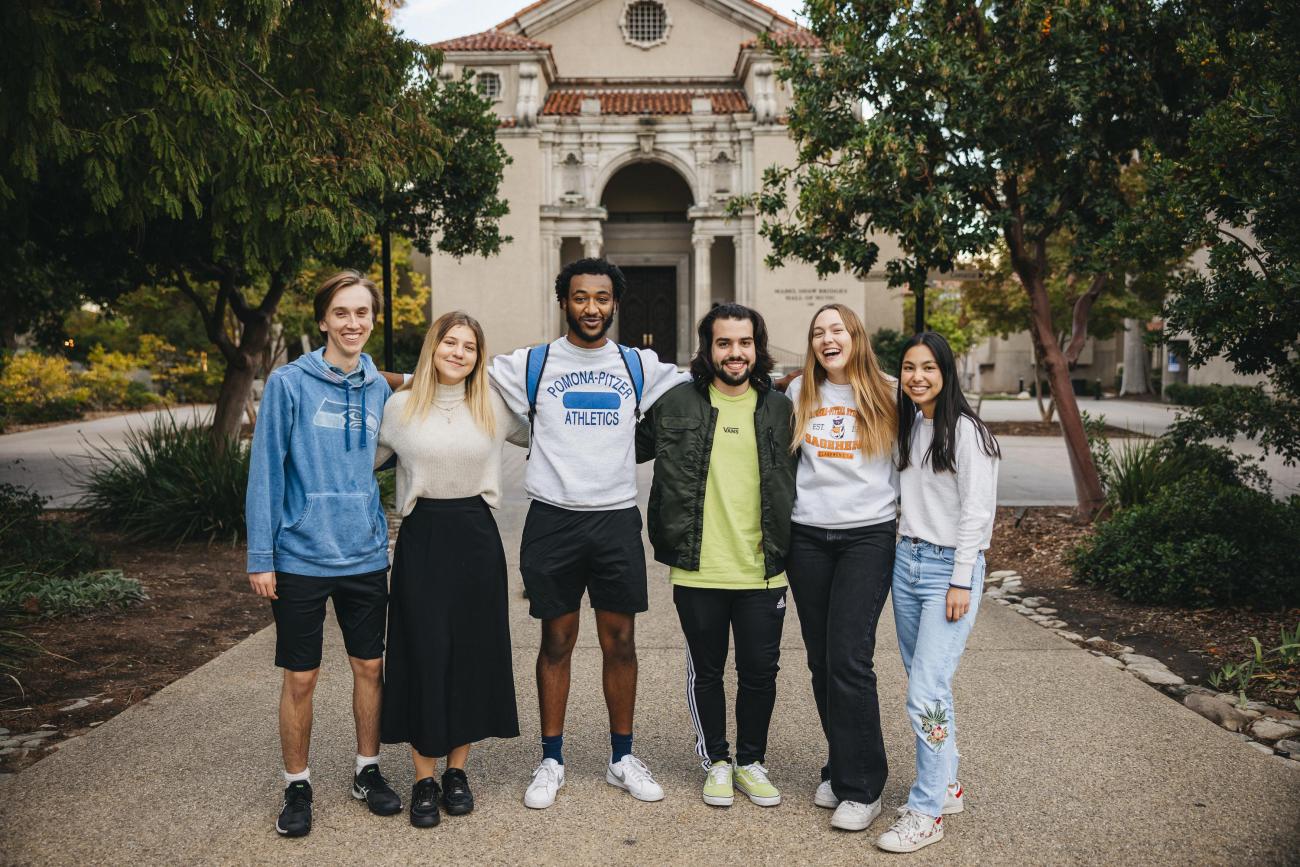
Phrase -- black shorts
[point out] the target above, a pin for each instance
(360, 604)
(565, 552)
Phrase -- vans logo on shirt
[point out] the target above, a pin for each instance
(731, 430)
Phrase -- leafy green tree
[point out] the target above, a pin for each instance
(222, 146)
(949, 125)
(1229, 189)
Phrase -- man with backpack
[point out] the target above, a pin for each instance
(583, 395)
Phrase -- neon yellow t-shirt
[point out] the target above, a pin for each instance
(731, 552)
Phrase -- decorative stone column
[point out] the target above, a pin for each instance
(703, 295)
(550, 319)
(592, 245)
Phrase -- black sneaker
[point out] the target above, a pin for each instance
(424, 803)
(295, 816)
(371, 787)
(456, 796)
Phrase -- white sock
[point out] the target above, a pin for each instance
(304, 775)
(362, 761)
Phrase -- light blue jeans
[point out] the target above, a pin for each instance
(931, 647)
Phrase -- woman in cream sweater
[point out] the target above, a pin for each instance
(448, 678)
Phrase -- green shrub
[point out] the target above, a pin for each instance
(29, 542)
(169, 482)
(39, 388)
(44, 595)
(108, 381)
(1199, 395)
(1198, 541)
(888, 345)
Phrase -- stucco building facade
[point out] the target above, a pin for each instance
(631, 124)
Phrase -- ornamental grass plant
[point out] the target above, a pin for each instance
(170, 482)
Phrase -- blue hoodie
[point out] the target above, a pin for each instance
(313, 503)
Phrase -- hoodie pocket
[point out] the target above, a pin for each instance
(334, 528)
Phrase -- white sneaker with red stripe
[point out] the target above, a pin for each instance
(912, 831)
(955, 801)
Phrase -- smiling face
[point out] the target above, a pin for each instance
(349, 319)
(733, 353)
(832, 345)
(456, 355)
(589, 309)
(921, 379)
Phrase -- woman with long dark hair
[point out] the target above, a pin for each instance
(948, 477)
(842, 550)
(448, 674)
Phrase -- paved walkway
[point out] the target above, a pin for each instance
(51, 459)
(1066, 760)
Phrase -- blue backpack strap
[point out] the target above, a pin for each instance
(632, 361)
(536, 364)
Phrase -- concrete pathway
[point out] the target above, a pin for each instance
(1065, 761)
(52, 459)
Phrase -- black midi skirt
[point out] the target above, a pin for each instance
(448, 672)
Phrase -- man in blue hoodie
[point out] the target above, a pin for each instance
(316, 531)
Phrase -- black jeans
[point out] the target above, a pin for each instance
(708, 616)
(840, 580)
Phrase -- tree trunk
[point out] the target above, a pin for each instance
(237, 386)
(1044, 412)
(1087, 484)
(1137, 360)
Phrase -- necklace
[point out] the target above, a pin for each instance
(447, 411)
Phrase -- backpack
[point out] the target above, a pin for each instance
(537, 363)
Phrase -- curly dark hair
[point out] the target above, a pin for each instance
(702, 369)
(602, 267)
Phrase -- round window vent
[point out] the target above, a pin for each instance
(645, 23)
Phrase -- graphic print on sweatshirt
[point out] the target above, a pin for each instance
(335, 414)
(833, 432)
(591, 398)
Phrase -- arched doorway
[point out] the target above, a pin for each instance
(648, 235)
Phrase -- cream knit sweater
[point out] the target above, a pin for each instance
(445, 455)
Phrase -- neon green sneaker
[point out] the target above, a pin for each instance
(752, 780)
(717, 785)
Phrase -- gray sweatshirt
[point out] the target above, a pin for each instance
(952, 510)
(583, 453)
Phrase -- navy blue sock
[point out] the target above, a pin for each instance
(620, 746)
(553, 747)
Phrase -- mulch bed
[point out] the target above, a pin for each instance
(199, 605)
(1192, 642)
(1046, 429)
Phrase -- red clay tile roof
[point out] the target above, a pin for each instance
(492, 40)
(795, 36)
(531, 6)
(653, 102)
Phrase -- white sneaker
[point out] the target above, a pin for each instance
(911, 832)
(547, 780)
(955, 800)
(630, 773)
(825, 796)
(854, 815)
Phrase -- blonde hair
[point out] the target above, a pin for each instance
(424, 384)
(873, 392)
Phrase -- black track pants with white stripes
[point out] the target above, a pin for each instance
(756, 617)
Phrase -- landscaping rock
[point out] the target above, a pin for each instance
(1218, 712)
(1000, 574)
(1272, 730)
(1156, 676)
(1033, 601)
(3, 732)
(1139, 660)
(32, 737)
(1038, 618)
(1053, 624)
(1263, 748)
(1020, 609)
(9, 743)
(1070, 636)
(1010, 597)
(1289, 746)
(1112, 662)
(1042, 610)
(1096, 640)
(7, 751)
(1002, 601)
(76, 705)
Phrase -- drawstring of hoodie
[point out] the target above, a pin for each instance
(363, 416)
(347, 415)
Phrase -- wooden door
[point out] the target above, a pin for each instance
(648, 312)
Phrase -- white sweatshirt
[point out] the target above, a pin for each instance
(952, 510)
(836, 487)
(446, 455)
(583, 453)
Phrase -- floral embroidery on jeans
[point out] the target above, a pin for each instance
(934, 722)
